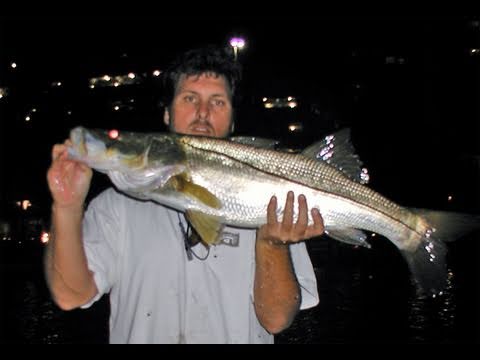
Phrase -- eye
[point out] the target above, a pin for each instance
(113, 134)
(189, 98)
(218, 102)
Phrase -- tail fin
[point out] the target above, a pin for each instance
(449, 226)
(428, 266)
(428, 261)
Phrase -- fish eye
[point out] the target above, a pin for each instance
(113, 134)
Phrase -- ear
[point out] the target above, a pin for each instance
(232, 122)
(166, 117)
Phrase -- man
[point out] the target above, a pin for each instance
(135, 250)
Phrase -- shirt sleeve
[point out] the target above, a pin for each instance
(101, 241)
(305, 275)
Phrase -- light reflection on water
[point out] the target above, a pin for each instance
(435, 316)
(358, 317)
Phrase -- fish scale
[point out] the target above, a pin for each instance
(296, 168)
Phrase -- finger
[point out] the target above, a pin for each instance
(287, 221)
(302, 222)
(68, 144)
(272, 211)
(57, 150)
(85, 168)
(318, 226)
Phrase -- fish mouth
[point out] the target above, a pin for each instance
(78, 148)
(85, 145)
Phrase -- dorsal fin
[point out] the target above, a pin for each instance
(338, 151)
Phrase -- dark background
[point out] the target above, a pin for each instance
(407, 86)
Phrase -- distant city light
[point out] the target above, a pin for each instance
(115, 81)
(28, 118)
(157, 73)
(475, 51)
(475, 24)
(116, 108)
(13, 65)
(296, 127)
(395, 60)
(288, 102)
(24, 204)
(44, 237)
(450, 198)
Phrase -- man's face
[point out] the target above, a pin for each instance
(201, 106)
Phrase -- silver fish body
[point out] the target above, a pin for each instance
(246, 178)
(221, 182)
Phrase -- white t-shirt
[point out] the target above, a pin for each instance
(136, 251)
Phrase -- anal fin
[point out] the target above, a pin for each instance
(349, 236)
(209, 227)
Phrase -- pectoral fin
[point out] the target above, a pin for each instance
(209, 227)
(182, 184)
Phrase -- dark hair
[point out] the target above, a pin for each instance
(210, 59)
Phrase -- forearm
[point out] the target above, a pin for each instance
(68, 276)
(276, 290)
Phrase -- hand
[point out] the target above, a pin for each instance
(68, 180)
(286, 231)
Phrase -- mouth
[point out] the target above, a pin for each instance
(201, 130)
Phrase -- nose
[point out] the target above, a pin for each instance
(203, 110)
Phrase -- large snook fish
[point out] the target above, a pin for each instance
(218, 182)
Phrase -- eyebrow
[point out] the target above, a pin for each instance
(197, 93)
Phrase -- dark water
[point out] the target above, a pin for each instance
(27, 314)
(365, 297)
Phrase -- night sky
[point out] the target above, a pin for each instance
(408, 86)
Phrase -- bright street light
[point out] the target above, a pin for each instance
(237, 43)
